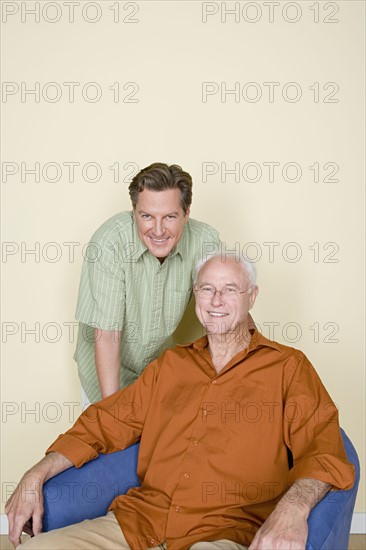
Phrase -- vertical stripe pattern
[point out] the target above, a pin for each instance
(124, 288)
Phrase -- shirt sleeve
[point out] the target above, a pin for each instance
(311, 429)
(101, 298)
(111, 424)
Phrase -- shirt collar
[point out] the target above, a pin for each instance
(258, 340)
(183, 244)
(140, 247)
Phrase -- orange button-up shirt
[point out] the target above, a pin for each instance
(214, 452)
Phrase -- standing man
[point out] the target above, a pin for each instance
(137, 280)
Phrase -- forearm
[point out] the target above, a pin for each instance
(107, 360)
(50, 465)
(303, 495)
(286, 527)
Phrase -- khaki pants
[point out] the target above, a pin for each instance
(103, 534)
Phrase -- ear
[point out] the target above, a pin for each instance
(187, 213)
(253, 296)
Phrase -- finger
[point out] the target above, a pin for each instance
(15, 541)
(37, 523)
(14, 536)
(21, 524)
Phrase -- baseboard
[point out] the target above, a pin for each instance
(358, 525)
(4, 526)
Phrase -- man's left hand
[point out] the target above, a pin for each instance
(284, 529)
(287, 527)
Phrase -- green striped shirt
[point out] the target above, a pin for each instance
(125, 288)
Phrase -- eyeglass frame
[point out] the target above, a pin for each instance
(223, 297)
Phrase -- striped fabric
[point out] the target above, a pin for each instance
(124, 288)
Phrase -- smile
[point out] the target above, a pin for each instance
(159, 241)
(216, 314)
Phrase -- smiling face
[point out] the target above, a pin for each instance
(224, 314)
(160, 220)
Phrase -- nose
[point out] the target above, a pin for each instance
(158, 227)
(217, 299)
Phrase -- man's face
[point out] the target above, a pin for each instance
(221, 314)
(160, 220)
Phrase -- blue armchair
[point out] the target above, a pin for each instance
(86, 493)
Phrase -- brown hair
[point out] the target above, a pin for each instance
(160, 176)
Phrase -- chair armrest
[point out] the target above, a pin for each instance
(330, 520)
(86, 493)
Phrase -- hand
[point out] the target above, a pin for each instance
(287, 527)
(284, 529)
(25, 508)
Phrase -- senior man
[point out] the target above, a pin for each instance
(137, 280)
(218, 420)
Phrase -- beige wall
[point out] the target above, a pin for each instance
(173, 62)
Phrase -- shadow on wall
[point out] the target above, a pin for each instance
(189, 329)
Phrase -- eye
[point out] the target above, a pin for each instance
(171, 217)
(145, 216)
(230, 290)
(207, 289)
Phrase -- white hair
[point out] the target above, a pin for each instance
(248, 266)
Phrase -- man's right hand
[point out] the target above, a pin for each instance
(25, 506)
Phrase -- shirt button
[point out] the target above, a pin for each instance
(214, 381)
(195, 442)
(177, 508)
(205, 413)
(186, 475)
(151, 541)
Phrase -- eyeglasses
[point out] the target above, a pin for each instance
(207, 292)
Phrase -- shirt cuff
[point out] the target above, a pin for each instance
(335, 471)
(76, 450)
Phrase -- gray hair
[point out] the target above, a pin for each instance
(248, 266)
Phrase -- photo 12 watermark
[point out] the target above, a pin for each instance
(270, 12)
(52, 332)
(70, 12)
(69, 92)
(275, 251)
(53, 252)
(269, 92)
(270, 172)
(68, 171)
(53, 412)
